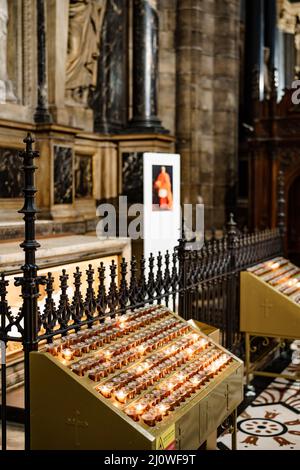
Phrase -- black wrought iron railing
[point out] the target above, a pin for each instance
(201, 284)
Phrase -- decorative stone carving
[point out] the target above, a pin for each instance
(63, 175)
(10, 174)
(6, 90)
(83, 176)
(85, 21)
(287, 14)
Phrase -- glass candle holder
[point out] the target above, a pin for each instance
(121, 395)
(132, 413)
(105, 390)
(76, 350)
(149, 418)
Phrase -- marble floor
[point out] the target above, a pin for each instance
(271, 421)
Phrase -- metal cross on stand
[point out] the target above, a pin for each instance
(77, 423)
(266, 306)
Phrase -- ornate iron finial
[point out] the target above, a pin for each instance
(90, 299)
(232, 236)
(231, 225)
(101, 297)
(29, 210)
(123, 291)
(77, 304)
(142, 280)
(113, 290)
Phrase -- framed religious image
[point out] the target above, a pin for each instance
(162, 187)
(162, 220)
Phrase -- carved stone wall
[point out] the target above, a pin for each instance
(83, 169)
(10, 174)
(63, 175)
(197, 100)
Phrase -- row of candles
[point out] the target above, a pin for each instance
(134, 348)
(182, 362)
(174, 394)
(86, 340)
(264, 268)
(290, 285)
(127, 385)
(282, 275)
(278, 275)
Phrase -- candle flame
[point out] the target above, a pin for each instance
(120, 395)
(67, 354)
(139, 408)
(274, 266)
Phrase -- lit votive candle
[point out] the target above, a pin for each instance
(141, 349)
(121, 395)
(140, 407)
(52, 349)
(180, 377)
(163, 408)
(169, 403)
(131, 412)
(93, 375)
(105, 390)
(67, 354)
(122, 319)
(107, 367)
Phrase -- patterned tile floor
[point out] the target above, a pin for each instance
(272, 420)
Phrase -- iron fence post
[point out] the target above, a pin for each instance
(3, 286)
(182, 281)
(30, 281)
(232, 282)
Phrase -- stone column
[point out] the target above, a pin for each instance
(111, 95)
(145, 66)
(42, 113)
(226, 106)
(194, 104)
(57, 15)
